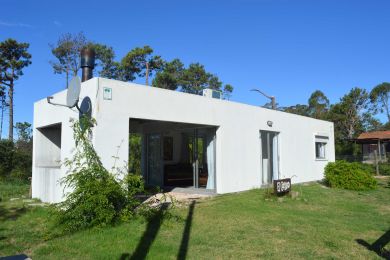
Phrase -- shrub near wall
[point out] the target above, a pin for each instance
(384, 169)
(341, 174)
(15, 160)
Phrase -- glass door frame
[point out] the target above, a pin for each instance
(195, 155)
(147, 159)
(271, 156)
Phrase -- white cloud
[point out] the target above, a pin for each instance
(57, 23)
(2, 23)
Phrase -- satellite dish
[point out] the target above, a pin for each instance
(86, 107)
(85, 112)
(72, 96)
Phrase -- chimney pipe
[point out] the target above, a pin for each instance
(87, 63)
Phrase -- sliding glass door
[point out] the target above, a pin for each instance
(202, 156)
(191, 160)
(154, 160)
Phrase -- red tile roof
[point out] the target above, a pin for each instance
(375, 135)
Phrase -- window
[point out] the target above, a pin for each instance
(320, 150)
(320, 147)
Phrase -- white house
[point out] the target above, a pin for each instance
(188, 140)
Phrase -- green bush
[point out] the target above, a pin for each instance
(97, 198)
(370, 168)
(384, 169)
(134, 184)
(6, 157)
(351, 176)
(15, 160)
(135, 153)
(95, 201)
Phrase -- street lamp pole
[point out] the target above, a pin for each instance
(272, 98)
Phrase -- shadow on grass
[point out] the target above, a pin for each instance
(2, 237)
(11, 213)
(148, 236)
(186, 233)
(378, 245)
(151, 231)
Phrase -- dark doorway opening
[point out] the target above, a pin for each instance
(173, 154)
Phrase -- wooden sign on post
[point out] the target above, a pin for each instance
(282, 186)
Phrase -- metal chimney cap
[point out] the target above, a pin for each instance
(88, 57)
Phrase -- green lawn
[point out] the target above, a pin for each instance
(322, 223)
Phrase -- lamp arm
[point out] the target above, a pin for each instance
(261, 92)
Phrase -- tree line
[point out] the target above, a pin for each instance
(15, 155)
(139, 62)
(353, 114)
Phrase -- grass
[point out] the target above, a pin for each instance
(322, 223)
(13, 188)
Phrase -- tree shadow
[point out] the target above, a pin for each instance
(186, 233)
(2, 237)
(148, 236)
(378, 245)
(12, 213)
(151, 231)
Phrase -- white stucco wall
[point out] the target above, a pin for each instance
(238, 152)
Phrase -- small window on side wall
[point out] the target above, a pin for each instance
(320, 147)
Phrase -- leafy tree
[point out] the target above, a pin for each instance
(23, 151)
(370, 123)
(318, 105)
(350, 113)
(14, 57)
(170, 75)
(379, 98)
(24, 131)
(105, 60)
(214, 83)
(140, 62)
(15, 160)
(195, 79)
(298, 109)
(67, 51)
(227, 91)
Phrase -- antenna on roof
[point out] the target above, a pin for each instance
(72, 94)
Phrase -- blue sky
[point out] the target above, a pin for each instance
(286, 48)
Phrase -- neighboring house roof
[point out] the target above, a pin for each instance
(376, 135)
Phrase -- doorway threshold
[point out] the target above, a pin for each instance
(189, 190)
